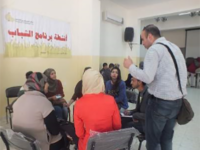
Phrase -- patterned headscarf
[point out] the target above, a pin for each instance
(92, 82)
(52, 83)
(36, 82)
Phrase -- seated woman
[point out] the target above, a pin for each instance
(34, 116)
(117, 88)
(55, 94)
(78, 90)
(94, 111)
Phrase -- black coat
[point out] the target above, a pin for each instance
(139, 112)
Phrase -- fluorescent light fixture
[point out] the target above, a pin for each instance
(186, 13)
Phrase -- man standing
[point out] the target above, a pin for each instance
(160, 74)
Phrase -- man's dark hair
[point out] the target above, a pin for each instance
(28, 74)
(111, 65)
(105, 64)
(142, 82)
(152, 29)
(86, 68)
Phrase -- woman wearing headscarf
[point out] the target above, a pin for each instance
(34, 116)
(94, 111)
(55, 94)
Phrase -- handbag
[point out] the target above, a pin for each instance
(186, 113)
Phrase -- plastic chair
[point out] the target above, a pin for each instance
(11, 92)
(120, 139)
(18, 141)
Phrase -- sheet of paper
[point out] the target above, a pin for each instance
(123, 115)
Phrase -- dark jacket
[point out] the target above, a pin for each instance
(139, 112)
(106, 75)
(119, 94)
(128, 81)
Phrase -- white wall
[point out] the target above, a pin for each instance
(112, 43)
(80, 14)
(112, 35)
(158, 9)
(193, 44)
(174, 22)
(175, 36)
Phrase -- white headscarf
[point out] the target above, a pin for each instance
(92, 82)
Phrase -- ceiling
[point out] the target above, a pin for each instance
(137, 3)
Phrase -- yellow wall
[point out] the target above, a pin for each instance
(84, 20)
(69, 71)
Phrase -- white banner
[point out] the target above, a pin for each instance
(29, 35)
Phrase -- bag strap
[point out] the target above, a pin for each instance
(175, 64)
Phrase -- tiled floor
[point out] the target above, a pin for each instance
(186, 137)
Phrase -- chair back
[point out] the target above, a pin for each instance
(12, 91)
(197, 70)
(113, 140)
(17, 141)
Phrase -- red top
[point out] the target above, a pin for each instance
(59, 90)
(96, 112)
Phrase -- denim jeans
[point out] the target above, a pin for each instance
(160, 121)
(61, 112)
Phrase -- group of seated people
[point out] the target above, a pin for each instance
(41, 105)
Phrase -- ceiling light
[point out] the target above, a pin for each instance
(157, 19)
(193, 14)
(164, 19)
(186, 13)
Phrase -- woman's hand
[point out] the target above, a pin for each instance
(53, 98)
(65, 104)
(126, 112)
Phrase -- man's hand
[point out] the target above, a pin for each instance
(128, 62)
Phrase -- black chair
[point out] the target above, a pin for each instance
(11, 92)
(120, 139)
(141, 138)
(18, 141)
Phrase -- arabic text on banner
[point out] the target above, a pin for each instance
(28, 35)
